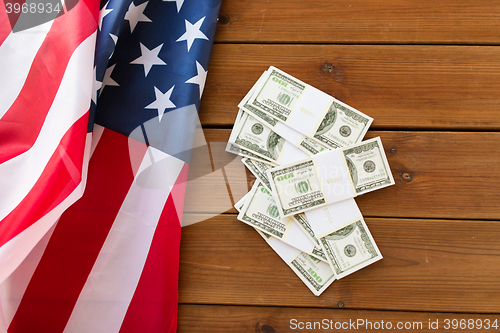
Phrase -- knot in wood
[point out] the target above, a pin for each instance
(393, 150)
(327, 68)
(224, 19)
(341, 304)
(406, 177)
(264, 328)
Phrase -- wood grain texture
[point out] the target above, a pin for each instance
(359, 21)
(240, 319)
(454, 175)
(401, 87)
(428, 265)
(428, 73)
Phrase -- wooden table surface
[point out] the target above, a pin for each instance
(428, 72)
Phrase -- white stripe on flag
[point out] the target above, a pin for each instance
(104, 300)
(96, 136)
(14, 251)
(18, 175)
(12, 289)
(17, 54)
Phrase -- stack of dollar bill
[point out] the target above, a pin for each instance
(306, 151)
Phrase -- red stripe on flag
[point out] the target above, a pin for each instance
(21, 124)
(154, 305)
(77, 239)
(93, 7)
(59, 178)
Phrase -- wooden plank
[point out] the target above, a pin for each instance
(252, 319)
(217, 179)
(428, 265)
(361, 21)
(401, 87)
(452, 175)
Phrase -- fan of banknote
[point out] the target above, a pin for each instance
(306, 150)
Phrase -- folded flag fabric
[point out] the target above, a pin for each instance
(109, 263)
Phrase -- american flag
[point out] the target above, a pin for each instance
(101, 101)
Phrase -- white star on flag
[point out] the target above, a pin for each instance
(162, 102)
(149, 58)
(104, 11)
(178, 2)
(107, 80)
(192, 32)
(200, 78)
(135, 14)
(115, 39)
(96, 86)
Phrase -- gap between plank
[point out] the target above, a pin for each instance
(339, 309)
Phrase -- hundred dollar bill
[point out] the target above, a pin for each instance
(311, 147)
(316, 274)
(244, 105)
(231, 148)
(307, 145)
(307, 110)
(297, 188)
(256, 113)
(319, 254)
(342, 126)
(316, 251)
(368, 166)
(296, 238)
(303, 223)
(350, 248)
(277, 94)
(260, 212)
(258, 169)
(264, 235)
(330, 177)
(253, 136)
